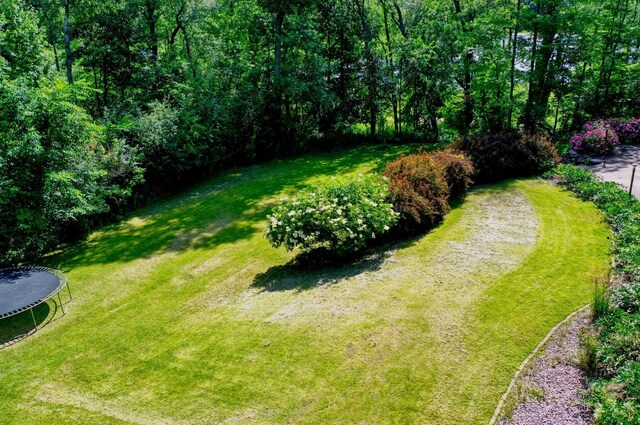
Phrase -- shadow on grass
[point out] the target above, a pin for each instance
(315, 269)
(318, 268)
(294, 276)
(231, 208)
(15, 328)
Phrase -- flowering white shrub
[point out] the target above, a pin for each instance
(342, 216)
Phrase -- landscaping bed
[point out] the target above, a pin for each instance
(614, 359)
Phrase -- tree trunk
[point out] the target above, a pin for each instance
(99, 110)
(105, 85)
(528, 119)
(513, 63)
(390, 62)
(399, 20)
(371, 68)
(540, 90)
(467, 78)
(278, 20)
(468, 99)
(152, 23)
(67, 43)
(53, 40)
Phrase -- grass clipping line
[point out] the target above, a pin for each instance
(525, 362)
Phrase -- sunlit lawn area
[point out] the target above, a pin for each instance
(185, 314)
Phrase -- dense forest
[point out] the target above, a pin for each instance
(107, 104)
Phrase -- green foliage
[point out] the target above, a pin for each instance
(22, 42)
(616, 391)
(627, 296)
(587, 355)
(600, 305)
(616, 387)
(55, 168)
(340, 216)
(617, 400)
(510, 154)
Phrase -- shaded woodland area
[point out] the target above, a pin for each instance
(107, 104)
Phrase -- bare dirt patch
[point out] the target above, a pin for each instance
(497, 224)
(498, 229)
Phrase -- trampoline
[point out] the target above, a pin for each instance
(23, 288)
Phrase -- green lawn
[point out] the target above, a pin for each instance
(184, 313)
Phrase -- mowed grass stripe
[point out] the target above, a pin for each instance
(185, 314)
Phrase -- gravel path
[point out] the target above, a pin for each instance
(617, 168)
(552, 389)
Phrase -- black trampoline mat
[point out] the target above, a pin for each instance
(21, 288)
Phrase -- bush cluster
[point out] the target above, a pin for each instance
(510, 154)
(341, 216)
(422, 184)
(615, 389)
(457, 171)
(344, 217)
(598, 139)
(627, 130)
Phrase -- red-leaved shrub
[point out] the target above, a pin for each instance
(421, 185)
(457, 171)
(416, 213)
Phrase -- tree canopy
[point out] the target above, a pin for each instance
(104, 104)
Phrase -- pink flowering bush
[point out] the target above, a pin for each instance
(596, 140)
(341, 216)
(592, 125)
(628, 131)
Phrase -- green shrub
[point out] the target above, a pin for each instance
(588, 356)
(419, 191)
(618, 400)
(511, 154)
(619, 340)
(627, 297)
(340, 216)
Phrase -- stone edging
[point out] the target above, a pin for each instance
(503, 399)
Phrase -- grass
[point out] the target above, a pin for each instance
(184, 313)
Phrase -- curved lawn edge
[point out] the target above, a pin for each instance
(394, 337)
(499, 408)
